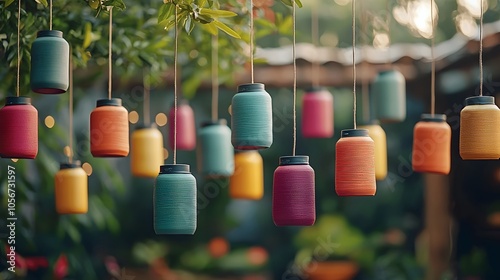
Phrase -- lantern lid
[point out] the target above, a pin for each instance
(370, 122)
(174, 169)
(17, 100)
(144, 126)
(433, 118)
(251, 87)
(49, 33)
(217, 122)
(109, 102)
(68, 165)
(354, 133)
(479, 100)
(315, 89)
(294, 160)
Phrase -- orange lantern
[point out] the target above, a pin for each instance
(71, 189)
(109, 129)
(247, 181)
(432, 145)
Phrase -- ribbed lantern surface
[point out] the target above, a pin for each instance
(109, 129)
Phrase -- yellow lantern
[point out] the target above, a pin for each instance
(146, 152)
(377, 133)
(247, 182)
(71, 189)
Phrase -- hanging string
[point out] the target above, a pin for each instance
(481, 51)
(50, 14)
(364, 73)
(18, 85)
(70, 153)
(353, 3)
(251, 40)
(176, 35)
(388, 23)
(294, 80)
(433, 64)
(110, 46)
(215, 77)
(315, 41)
(147, 107)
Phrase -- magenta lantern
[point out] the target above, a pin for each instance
(186, 131)
(317, 113)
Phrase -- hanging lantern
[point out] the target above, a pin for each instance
(480, 129)
(186, 131)
(109, 129)
(71, 189)
(174, 200)
(355, 164)
(377, 134)
(146, 153)
(317, 113)
(216, 152)
(432, 145)
(293, 192)
(18, 128)
(251, 118)
(49, 63)
(247, 182)
(389, 97)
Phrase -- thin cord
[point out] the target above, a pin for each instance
(251, 40)
(176, 35)
(354, 58)
(50, 14)
(147, 107)
(110, 46)
(315, 41)
(364, 80)
(481, 52)
(215, 77)
(294, 81)
(18, 86)
(388, 10)
(433, 64)
(70, 154)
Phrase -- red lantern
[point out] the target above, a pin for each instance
(317, 113)
(186, 130)
(109, 129)
(18, 128)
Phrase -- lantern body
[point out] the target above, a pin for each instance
(216, 152)
(186, 130)
(480, 129)
(109, 129)
(388, 97)
(251, 118)
(18, 129)
(355, 164)
(146, 153)
(49, 63)
(247, 182)
(432, 145)
(174, 200)
(317, 114)
(293, 192)
(377, 134)
(71, 189)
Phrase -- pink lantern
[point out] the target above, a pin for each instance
(186, 131)
(317, 113)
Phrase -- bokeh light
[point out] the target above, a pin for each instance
(133, 117)
(87, 168)
(49, 121)
(161, 119)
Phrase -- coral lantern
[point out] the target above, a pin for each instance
(432, 145)
(146, 153)
(355, 164)
(480, 129)
(18, 128)
(377, 134)
(186, 127)
(388, 97)
(71, 189)
(109, 129)
(317, 113)
(247, 182)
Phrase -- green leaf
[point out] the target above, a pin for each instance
(189, 25)
(166, 11)
(87, 39)
(119, 4)
(217, 13)
(287, 2)
(8, 2)
(226, 29)
(204, 18)
(210, 28)
(43, 2)
(298, 3)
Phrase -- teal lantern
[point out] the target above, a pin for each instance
(251, 118)
(388, 97)
(49, 63)
(215, 152)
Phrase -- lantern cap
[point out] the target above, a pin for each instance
(433, 118)
(109, 102)
(370, 122)
(142, 125)
(49, 33)
(479, 100)
(315, 89)
(244, 151)
(251, 87)
(174, 169)
(354, 133)
(294, 160)
(68, 165)
(217, 122)
(17, 100)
